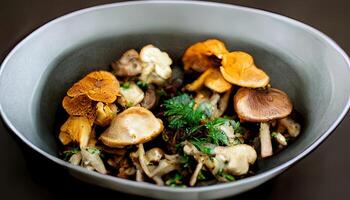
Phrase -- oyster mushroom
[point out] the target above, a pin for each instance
(76, 129)
(212, 79)
(105, 113)
(131, 95)
(134, 125)
(156, 65)
(201, 56)
(150, 99)
(92, 159)
(80, 105)
(128, 65)
(238, 68)
(165, 166)
(254, 105)
(98, 86)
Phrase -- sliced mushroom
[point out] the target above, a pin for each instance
(105, 113)
(201, 56)
(150, 99)
(98, 86)
(131, 95)
(92, 160)
(76, 129)
(265, 140)
(157, 65)
(128, 65)
(238, 68)
(254, 105)
(292, 127)
(134, 125)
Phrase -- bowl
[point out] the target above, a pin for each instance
(300, 60)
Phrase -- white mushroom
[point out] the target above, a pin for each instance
(265, 140)
(105, 113)
(156, 65)
(75, 159)
(292, 127)
(128, 65)
(165, 166)
(135, 125)
(130, 95)
(76, 129)
(91, 159)
(279, 138)
(154, 155)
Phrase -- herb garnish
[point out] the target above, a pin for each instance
(68, 153)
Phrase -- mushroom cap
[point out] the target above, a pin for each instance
(80, 105)
(238, 68)
(128, 65)
(130, 96)
(98, 86)
(161, 60)
(254, 105)
(76, 129)
(212, 79)
(216, 82)
(134, 125)
(198, 56)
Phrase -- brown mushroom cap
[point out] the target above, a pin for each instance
(98, 86)
(128, 65)
(134, 125)
(199, 56)
(80, 105)
(261, 105)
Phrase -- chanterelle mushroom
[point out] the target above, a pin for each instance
(255, 105)
(80, 105)
(128, 65)
(201, 56)
(156, 65)
(130, 95)
(134, 125)
(105, 113)
(98, 86)
(238, 68)
(212, 79)
(77, 129)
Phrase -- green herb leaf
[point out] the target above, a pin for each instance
(215, 134)
(93, 150)
(68, 153)
(125, 85)
(142, 85)
(201, 176)
(200, 145)
(175, 181)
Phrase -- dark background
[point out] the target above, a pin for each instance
(324, 174)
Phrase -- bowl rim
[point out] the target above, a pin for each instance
(271, 172)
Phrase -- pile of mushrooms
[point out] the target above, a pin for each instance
(255, 100)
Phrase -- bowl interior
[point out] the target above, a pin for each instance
(299, 61)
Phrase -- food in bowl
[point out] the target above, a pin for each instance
(205, 122)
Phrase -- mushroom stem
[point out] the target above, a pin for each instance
(280, 138)
(195, 173)
(265, 140)
(292, 127)
(139, 177)
(142, 159)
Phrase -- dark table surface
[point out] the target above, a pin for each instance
(324, 174)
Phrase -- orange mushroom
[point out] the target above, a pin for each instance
(98, 86)
(201, 56)
(80, 106)
(212, 79)
(238, 68)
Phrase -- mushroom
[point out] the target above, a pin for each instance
(76, 129)
(165, 166)
(75, 159)
(135, 160)
(201, 56)
(134, 125)
(92, 159)
(154, 155)
(212, 79)
(254, 105)
(238, 68)
(235, 159)
(176, 80)
(156, 65)
(80, 105)
(98, 86)
(215, 103)
(128, 65)
(292, 127)
(265, 140)
(131, 95)
(150, 99)
(105, 113)
(279, 138)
